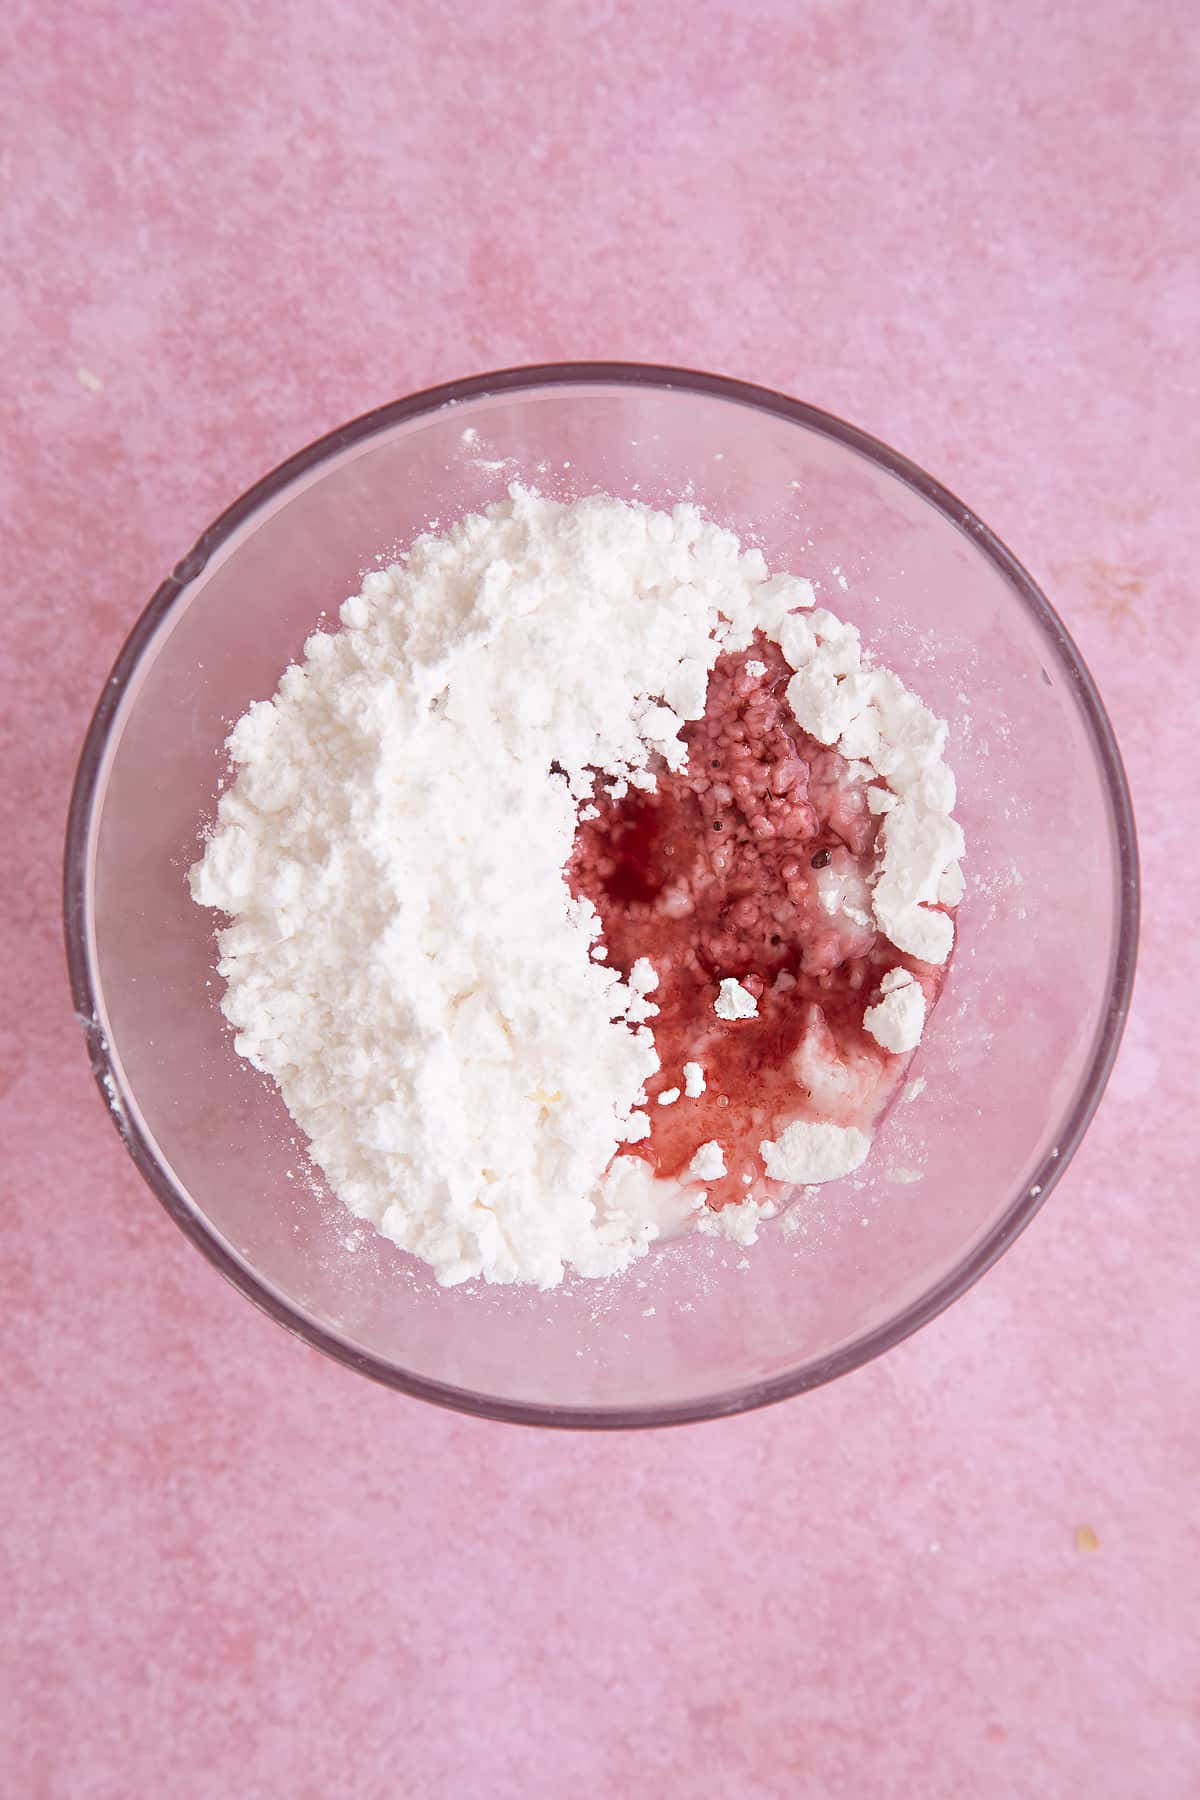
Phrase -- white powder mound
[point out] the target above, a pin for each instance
(404, 956)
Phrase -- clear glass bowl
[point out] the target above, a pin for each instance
(1016, 1055)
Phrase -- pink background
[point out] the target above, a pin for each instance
(233, 1568)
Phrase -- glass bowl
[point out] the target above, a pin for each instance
(1015, 1057)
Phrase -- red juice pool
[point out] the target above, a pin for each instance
(752, 864)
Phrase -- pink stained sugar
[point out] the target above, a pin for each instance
(752, 864)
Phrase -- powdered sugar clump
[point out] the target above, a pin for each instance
(694, 1083)
(733, 1001)
(738, 1224)
(898, 1017)
(870, 716)
(708, 1162)
(815, 1150)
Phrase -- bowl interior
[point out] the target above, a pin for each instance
(1012, 1060)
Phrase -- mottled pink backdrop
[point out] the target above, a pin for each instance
(234, 1569)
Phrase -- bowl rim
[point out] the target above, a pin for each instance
(84, 978)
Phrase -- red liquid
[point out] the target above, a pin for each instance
(711, 877)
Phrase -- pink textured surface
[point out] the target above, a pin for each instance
(234, 1568)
